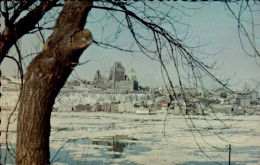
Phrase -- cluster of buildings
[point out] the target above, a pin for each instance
(217, 101)
(118, 79)
(120, 92)
(238, 103)
(157, 99)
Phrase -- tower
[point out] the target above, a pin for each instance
(117, 72)
(132, 75)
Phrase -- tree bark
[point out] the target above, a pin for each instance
(45, 76)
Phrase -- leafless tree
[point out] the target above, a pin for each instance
(153, 32)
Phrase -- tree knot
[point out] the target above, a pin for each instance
(81, 39)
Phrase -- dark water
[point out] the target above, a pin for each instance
(116, 145)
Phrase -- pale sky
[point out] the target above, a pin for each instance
(211, 23)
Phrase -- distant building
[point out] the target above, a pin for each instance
(117, 72)
(96, 107)
(117, 79)
(82, 107)
(244, 102)
(105, 107)
(72, 83)
(99, 80)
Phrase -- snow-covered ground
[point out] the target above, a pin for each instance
(72, 99)
(113, 138)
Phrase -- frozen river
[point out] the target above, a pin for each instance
(112, 138)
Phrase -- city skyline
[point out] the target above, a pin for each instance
(209, 24)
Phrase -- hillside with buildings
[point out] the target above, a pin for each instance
(120, 92)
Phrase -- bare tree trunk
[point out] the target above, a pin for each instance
(45, 76)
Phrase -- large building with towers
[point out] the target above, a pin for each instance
(117, 79)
